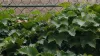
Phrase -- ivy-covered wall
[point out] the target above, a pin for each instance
(73, 31)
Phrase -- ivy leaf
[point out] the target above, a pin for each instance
(28, 25)
(4, 21)
(71, 13)
(65, 4)
(11, 11)
(61, 53)
(20, 41)
(98, 30)
(36, 12)
(58, 38)
(63, 28)
(86, 54)
(68, 53)
(55, 23)
(79, 22)
(41, 41)
(92, 44)
(46, 54)
(11, 32)
(88, 38)
(83, 14)
(30, 51)
(64, 21)
(72, 31)
(71, 53)
(47, 16)
(6, 14)
(2, 25)
(96, 8)
(50, 47)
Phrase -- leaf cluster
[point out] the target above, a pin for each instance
(75, 31)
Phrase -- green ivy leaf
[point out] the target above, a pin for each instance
(68, 53)
(63, 28)
(30, 51)
(58, 38)
(65, 4)
(55, 23)
(88, 38)
(46, 54)
(36, 12)
(11, 11)
(79, 22)
(2, 25)
(41, 41)
(72, 31)
(28, 25)
(92, 44)
(96, 8)
(50, 47)
(71, 13)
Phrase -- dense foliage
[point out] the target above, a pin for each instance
(75, 31)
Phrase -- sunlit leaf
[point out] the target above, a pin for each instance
(30, 51)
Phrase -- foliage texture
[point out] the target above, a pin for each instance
(74, 31)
